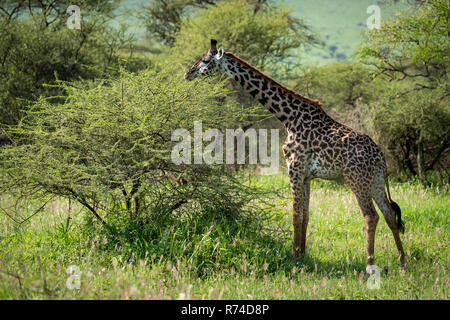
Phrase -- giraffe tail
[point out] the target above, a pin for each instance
(395, 206)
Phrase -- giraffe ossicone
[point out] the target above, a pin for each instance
(316, 146)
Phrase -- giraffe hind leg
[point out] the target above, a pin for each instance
(359, 182)
(388, 209)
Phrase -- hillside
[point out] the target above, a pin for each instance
(339, 24)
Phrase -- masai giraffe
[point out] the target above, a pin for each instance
(316, 147)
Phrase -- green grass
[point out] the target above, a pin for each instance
(216, 255)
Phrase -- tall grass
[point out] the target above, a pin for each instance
(219, 255)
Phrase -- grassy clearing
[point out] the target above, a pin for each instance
(215, 255)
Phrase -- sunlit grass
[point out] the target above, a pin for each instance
(212, 256)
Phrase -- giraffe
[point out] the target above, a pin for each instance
(316, 146)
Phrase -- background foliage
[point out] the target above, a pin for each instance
(37, 48)
(414, 49)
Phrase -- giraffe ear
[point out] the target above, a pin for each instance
(219, 54)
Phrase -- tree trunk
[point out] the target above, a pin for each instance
(135, 208)
(135, 199)
(421, 162)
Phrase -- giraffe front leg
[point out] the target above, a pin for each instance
(297, 220)
(300, 193)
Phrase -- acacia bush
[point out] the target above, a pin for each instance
(108, 146)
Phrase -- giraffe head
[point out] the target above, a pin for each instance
(208, 64)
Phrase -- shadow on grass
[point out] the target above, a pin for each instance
(333, 269)
(215, 241)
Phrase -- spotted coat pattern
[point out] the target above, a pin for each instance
(317, 146)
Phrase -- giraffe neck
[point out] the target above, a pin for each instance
(287, 105)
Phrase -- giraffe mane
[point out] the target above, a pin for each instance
(313, 101)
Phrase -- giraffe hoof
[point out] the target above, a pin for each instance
(370, 269)
(404, 263)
